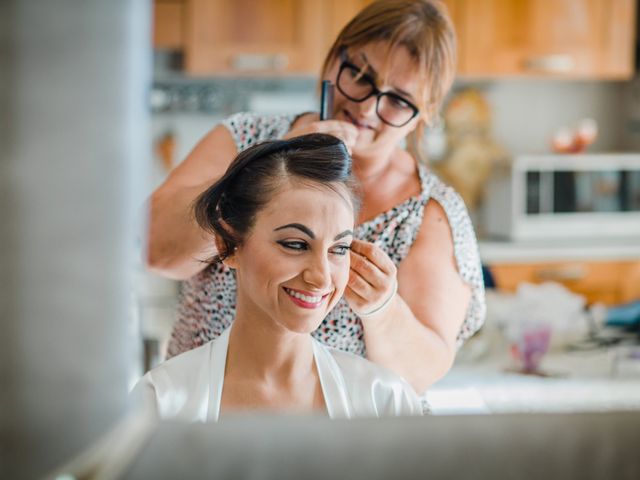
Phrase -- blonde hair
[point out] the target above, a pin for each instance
(424, 28)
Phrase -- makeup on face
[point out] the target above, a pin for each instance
(393, 107)
(376, 138)
(303, 242)
(314, 298)
(294, 266)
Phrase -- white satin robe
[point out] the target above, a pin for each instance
(188, 387)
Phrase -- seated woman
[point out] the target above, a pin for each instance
(283, 216)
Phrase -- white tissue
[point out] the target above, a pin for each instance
(548, 304)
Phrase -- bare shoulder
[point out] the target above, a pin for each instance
(434, 279)
(445, 220)
(436, 227)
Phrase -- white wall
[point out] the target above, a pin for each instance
(527, 112)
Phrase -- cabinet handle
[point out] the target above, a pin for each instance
(571, 272)
(253, 62)
(556, 63)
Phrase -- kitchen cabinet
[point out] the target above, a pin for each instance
(254, 37)
(169, 24)
(496, 38)
(238, 37)
(609, 282)
(557, 38)
(338, 14)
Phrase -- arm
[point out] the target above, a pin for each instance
(176, 243)
(416, 335)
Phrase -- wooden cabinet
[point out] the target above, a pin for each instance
(254, 36)
(607, 282)
(558, 38)
(496, 38)
(236, 37)
(338, 14)
(169, 24)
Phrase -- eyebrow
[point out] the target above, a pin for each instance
(306, 230)
(346, 233)
(375, 75)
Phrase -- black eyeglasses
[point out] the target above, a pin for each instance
(357, 86)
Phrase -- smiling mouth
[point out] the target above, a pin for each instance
(305, 300)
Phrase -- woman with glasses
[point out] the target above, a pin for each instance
(415, 290)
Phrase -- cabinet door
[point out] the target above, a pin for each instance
(340, 12)
(607, 282)
(630, 282)
(254, 36)
(456, 9)
(572, 38)
(168, 24)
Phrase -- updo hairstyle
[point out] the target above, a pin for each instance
(229, 207)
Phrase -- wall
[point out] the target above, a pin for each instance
(527, 112)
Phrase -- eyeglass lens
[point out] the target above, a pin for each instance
(358, 86)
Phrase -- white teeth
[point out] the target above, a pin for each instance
(304, 298)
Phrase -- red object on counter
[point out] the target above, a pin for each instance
(566, 140)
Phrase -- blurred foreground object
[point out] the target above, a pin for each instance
(584, 446)
(73, 83)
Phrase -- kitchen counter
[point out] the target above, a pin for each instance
(596, 380)
(497, 251)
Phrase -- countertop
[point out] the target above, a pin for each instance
(595, 380)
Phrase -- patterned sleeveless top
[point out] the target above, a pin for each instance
(207, 301)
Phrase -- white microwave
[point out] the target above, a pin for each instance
(564, 196)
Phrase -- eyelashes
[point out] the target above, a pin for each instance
(300, 246)
(342, 249)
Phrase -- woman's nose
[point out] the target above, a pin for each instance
(317, 273)
(367, 108)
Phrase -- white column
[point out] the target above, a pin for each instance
(74, 149)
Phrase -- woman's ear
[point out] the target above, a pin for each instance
(230, 261)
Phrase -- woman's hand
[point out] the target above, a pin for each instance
(372, 279)
(345, 131)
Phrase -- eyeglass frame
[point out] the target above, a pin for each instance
(374, 91)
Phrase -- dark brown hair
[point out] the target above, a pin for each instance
(229, 207)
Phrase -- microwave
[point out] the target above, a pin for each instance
(564, 196)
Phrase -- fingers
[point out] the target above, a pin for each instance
(372, 265)
(345, 131)
(363, 297)
(371, 278)
(374, 254)
(357, 302)
(367, 271)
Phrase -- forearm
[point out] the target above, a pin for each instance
(397, 340)
(177, 245)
